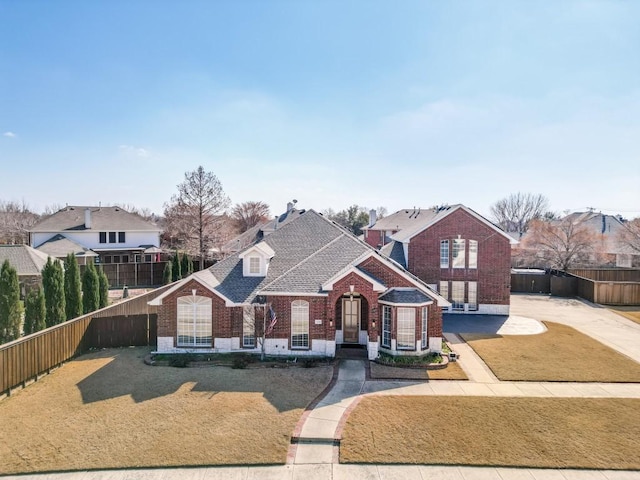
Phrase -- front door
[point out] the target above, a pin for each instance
(351, 320)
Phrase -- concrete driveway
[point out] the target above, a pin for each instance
(594, 320)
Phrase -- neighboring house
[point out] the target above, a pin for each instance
(109, 235)
(28, 263)
(325, 288)
(607, 252)
(453, 249)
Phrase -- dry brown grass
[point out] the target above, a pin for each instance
(384, 372)
(632, 313)
(109, 410)
(527, 432)
(559, 354)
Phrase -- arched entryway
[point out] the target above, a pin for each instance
(352, 319)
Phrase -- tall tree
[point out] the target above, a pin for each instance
(629, 235)
(186, 265)
(10, 308)
(249, 214)
(54, 298)
(193, 214)
(167, 274)
(176, 267)
(72, 287)
(103, 289)
(515, 212)
(90, 288)
(562, 243)
(35, 312)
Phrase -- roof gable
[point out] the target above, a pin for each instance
(72, 218)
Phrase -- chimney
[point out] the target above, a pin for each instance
(373, 217)
(87, 218)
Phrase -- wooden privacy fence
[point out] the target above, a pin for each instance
(129, 323)
(132, 274)
(530, 283)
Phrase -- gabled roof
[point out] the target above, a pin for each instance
(60, 246)
(309, 252)
(395, 251)
(438, 214)
(407, 218)
(72, 218)
(26, 260)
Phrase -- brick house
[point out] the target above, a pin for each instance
(324, 287)
(456, 251)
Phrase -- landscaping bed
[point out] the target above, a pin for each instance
(451, 371)
(594, 433)
(108, 410)
(561, 354)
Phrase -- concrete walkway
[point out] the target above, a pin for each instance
(338, 472)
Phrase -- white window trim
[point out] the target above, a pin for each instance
(444, 257)
(459, 260)
(405, 314)
(248, 327)
(473, 254)
(386, 326)
(456, 299)
(472, 289)
(300, 323)
(194, 321)
(425, 322)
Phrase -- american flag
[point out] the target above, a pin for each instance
(274, 319)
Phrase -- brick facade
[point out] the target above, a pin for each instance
(493, 272)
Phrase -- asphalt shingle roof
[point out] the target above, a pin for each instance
(102, 219)
(309, 251)
(405, 296)
(26, 260)
(60, 246)
(395, 251)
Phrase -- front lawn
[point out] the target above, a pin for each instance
(110, 410)
(598, 433)
(559, 354)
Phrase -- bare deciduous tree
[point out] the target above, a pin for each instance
(15, 221)
(248, 214)
(561, 243)
(629, 235)
(515, 212)
(195, 213)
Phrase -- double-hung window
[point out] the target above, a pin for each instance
(473, 254)
(444, 253)
(406, 325)
(248, 327)
(102, 237)
(121, 237)
(194, 321)
(444, 289)
(472, 288)
(254, 265)
(299, 324)
(112, 237)
(386, 326)
(457, 253)
(424, 342)
(457, 295)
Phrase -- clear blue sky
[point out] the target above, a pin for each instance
(395, 104)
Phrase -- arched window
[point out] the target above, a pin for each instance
(194, 321)
(299, 324)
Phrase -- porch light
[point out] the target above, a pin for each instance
(351, 289)
(193, 292)
(331, 322)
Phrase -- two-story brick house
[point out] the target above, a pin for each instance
(461, 254)
(311, 286)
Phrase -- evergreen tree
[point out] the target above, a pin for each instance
(53, 285)
(176, 271)
(103, 283)
(90, 288)
(72, 287)
(186, 265)
(10, 308)
(35, 312)
(167, 275)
